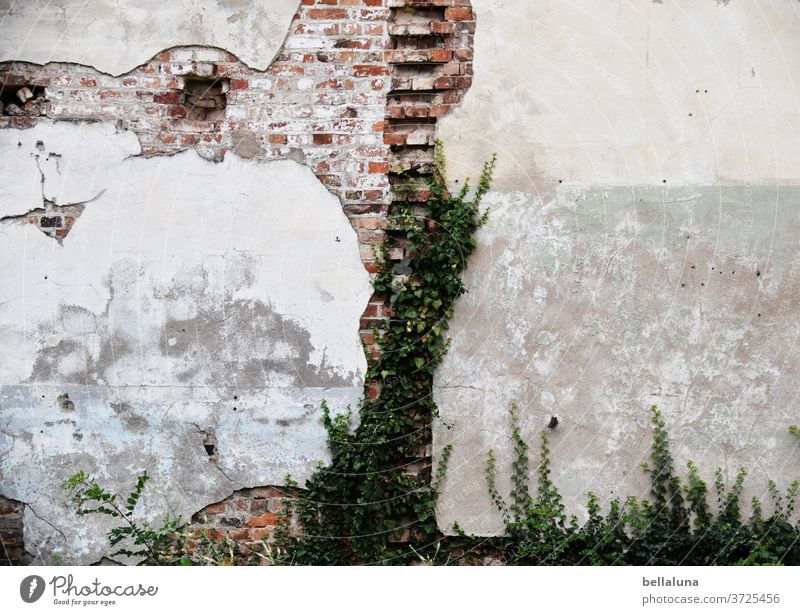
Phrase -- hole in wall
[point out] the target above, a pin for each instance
(19, 100)
(205, 99)
(209, 445)
(51, 219)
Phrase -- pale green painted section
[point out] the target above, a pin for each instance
(596, 303)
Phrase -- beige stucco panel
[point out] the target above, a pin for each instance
(115, 36)
(625, 92)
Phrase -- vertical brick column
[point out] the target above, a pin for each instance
(430, 54)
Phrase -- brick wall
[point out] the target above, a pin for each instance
(321, 102)
(12, 547)
(354, 93)
(248, 517)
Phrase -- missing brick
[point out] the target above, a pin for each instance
(209, 445)
(205, 99)
(22, 100)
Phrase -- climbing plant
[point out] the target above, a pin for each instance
(675, 526)
(373, 503)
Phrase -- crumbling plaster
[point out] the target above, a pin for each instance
(115, 36)
(641, 246)
(191, 298)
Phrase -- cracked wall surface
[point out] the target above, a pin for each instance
(191, 298)
(199, 357)
(115, 36)
(641, 246)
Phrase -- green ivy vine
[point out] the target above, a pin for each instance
(675, 526)
(373, 504)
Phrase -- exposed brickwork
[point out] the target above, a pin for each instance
(322, 100)
(51, 219)
(248, 517)
(429, 63)
(12, 548)
(431, 58)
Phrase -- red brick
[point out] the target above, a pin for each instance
(8, 509)
(458, 13)
(260, 534)
(214, 509)
(212, 534)
(373, 195)
(394, 138)
(240, 535)
(266, 519)
(167, 98)
(364, 70)
(327, 13)
(178, 111)
(166, 137)
(441, 55)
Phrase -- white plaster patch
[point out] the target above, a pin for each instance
(115, 36)
(189, 297)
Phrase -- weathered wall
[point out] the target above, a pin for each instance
(641, 247)
(353, 94)
(180, 293)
